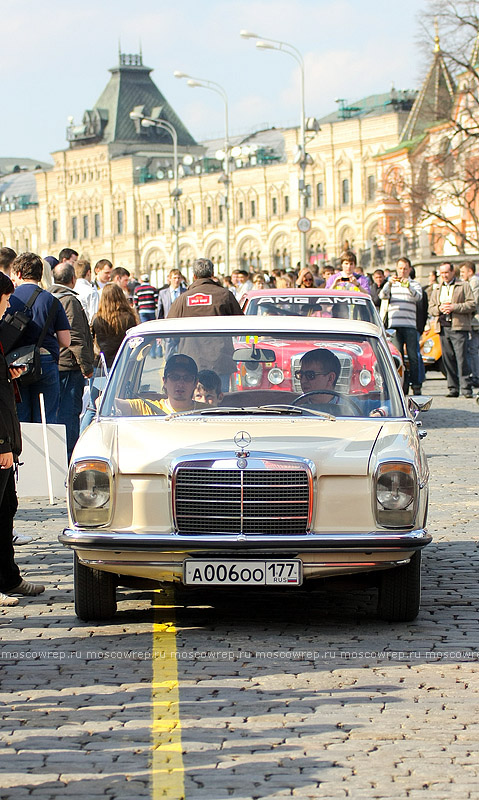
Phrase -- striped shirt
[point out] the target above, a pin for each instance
(403, 302)
(145, 297)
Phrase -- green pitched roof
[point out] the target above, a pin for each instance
(109, 121)
(435, 100)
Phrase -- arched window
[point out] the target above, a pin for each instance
(345, 192)
(320, 195)
(371, 188)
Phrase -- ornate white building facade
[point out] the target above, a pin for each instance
(109, 194)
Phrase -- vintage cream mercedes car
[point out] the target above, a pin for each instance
(192, 475)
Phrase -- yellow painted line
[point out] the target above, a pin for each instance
(167, 762)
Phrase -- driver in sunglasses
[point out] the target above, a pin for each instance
(319, 371)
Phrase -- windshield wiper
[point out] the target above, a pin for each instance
(288, 409)
(214, 410)
(272, 409)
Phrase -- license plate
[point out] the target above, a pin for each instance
(242, 573)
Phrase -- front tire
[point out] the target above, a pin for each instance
(400, 591)
(94, 592)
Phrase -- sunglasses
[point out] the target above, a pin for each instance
(173, 376)
(309, 374)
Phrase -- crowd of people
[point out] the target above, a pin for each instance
(77, 318)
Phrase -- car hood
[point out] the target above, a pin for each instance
(148, 445)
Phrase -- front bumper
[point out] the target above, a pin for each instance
(116, 541)
(162, 557)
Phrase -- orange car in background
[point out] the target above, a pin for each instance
(430, 345)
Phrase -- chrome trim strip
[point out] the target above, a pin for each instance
(242, 471)
(117, 541)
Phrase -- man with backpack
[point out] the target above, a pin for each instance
(27, 271)
(76, 361)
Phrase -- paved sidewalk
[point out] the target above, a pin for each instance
(306, 698)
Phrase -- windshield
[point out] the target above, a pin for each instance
(346, 306)
(314, 373)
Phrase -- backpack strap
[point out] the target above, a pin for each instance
(37, 290)
(48, 321)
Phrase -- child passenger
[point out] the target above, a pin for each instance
(208, 388)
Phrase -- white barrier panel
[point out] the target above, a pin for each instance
(32, 476)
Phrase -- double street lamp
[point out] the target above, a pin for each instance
(225, 179)
(150, 122)
(302, 157)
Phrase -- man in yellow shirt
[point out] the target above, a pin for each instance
(179, 383)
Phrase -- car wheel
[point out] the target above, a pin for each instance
(94, 592)
(440, 367)
(400, 591)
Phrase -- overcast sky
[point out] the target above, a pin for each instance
(55, 58)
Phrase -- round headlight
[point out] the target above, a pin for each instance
(395, 490)
(276, 376)
(427, 346)
(252, 379)
(91, 489)
(365, 377)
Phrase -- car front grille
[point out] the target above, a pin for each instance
(249, 501)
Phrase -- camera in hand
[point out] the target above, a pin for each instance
(445, 320)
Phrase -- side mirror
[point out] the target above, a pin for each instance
(419, 403)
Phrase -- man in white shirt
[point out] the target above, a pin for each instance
(88, 296)
(241, 283)
(404, 295)
(103, 270)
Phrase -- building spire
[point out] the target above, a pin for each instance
(435, 99)
(437, 46)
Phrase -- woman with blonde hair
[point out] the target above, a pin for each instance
(285, 282)
(114, 317)
(305, 279)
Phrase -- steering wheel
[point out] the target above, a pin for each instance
(343, 397)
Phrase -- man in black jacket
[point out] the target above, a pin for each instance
(206, 298)
(377, 283)
(10, 448)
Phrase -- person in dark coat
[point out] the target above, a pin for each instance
(377, 283)
(11, 581)
(206, 298)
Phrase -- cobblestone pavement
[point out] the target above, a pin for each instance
(310, 697)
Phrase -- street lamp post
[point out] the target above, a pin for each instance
(149, 122)
(218, 89)
(302, 158)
